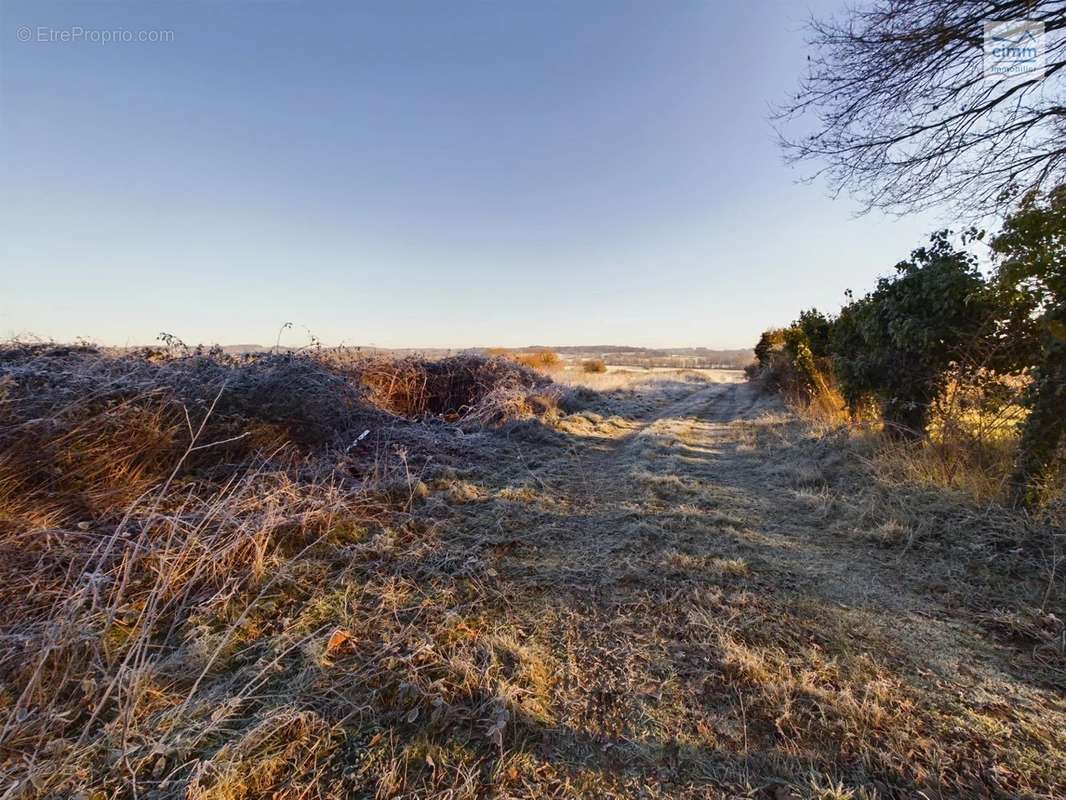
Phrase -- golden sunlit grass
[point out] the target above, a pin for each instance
(971, 444)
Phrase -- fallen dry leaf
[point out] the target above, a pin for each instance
(337, 640)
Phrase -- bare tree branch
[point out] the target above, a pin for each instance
(898, 111)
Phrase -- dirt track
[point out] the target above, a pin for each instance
(611, 481)
(713, 617)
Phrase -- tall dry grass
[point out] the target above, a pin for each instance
(165, 519)
(971, 447)
(972, 438)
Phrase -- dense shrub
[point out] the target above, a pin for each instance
(83, 431)
(1031, 281)
(769, 341)
(786, 359)
(594, 365)
(897, 343)
(936, 333)
(816, 326)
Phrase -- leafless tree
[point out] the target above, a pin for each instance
(896, 108)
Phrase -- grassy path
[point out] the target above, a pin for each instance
(708, 618)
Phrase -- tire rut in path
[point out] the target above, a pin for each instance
(603, 484)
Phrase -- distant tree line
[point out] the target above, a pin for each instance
(936, 319)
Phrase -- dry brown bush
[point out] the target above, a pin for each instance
(455, 388)
(541, 359)
(594, 365)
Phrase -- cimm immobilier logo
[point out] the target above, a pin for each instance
(1014, 50)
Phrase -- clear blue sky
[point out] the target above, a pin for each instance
(415, 174)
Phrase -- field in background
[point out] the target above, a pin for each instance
(611, 355)
(619, 377)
